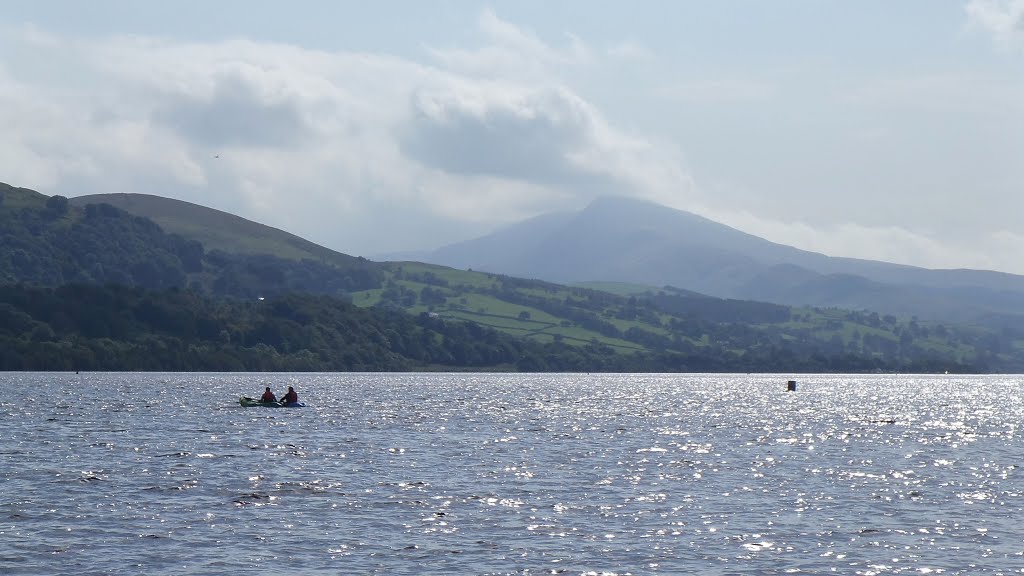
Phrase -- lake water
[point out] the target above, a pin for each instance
(511, 474)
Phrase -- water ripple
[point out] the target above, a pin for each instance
(512, 474)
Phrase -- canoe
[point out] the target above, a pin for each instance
(251, 402)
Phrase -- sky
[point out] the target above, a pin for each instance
(872, 129)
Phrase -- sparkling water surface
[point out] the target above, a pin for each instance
(511, 474)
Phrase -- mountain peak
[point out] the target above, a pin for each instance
(627, 239)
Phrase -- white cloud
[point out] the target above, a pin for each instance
(512, 52)
(546, 135)
(1004, 19)
(998, 249)
(368, 153)
(238, 112)
(320, 143)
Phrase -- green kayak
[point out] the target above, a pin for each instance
(250, 402)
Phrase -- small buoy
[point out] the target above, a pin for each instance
(791, 386)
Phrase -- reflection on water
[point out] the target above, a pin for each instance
(511, 474)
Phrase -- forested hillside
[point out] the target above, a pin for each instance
(46, 241)
(752, 336)
(82, 327)
(94, 287)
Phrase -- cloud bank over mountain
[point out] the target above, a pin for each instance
(751, 119)
(254, 127)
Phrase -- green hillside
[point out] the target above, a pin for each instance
(217, 230)
(50, 242)
(678, 321)
(16, 199)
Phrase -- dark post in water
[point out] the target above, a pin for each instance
(791, 386)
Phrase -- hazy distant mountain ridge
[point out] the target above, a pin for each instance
(626, 240)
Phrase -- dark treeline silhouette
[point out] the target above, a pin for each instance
(90, 327)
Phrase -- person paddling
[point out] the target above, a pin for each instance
(290, 397)
(268, 396)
